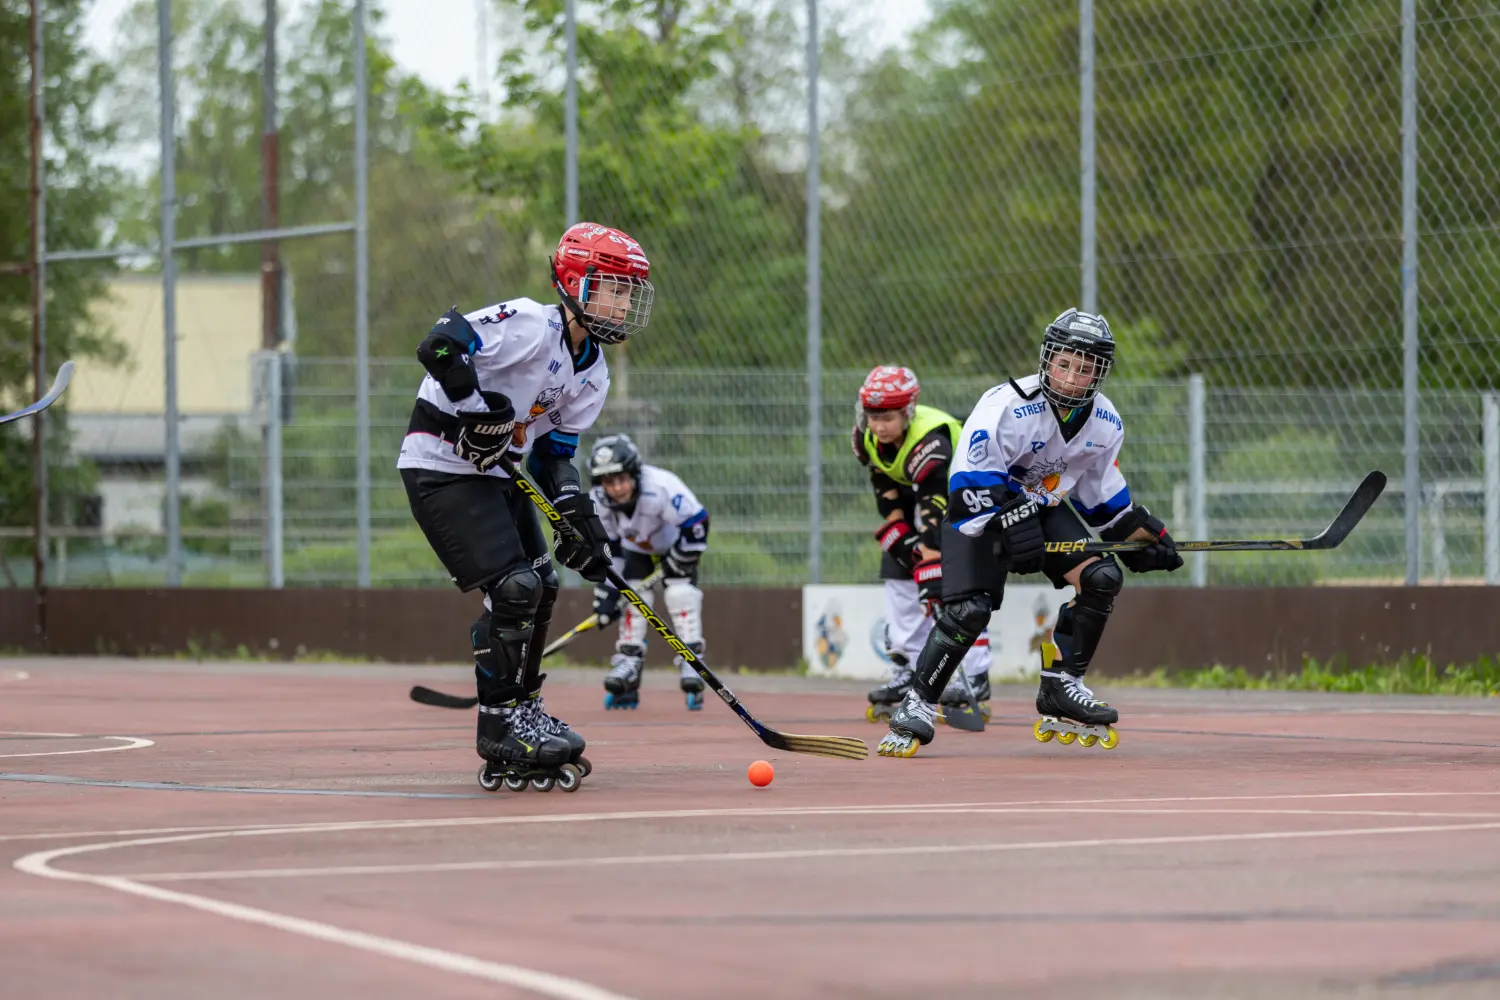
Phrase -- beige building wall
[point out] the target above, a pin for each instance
(218, 329)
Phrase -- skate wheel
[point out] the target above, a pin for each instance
(543, 784)
(984, 710)
(515, 784)
(942, 717)
(489, 782)
(569, 777)
(1111, 739)
(694, 701)
(1042, 735)
(584, 768)
(870, 715)
(1087, 740)
(1066, 738)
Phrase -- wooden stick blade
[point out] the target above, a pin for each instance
(842, 747)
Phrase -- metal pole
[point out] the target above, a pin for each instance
(482, 59)
(1492, 488)
(361, 301)
(270, 297)
(1197, 473)
(275, 521)
(1410, 371)
(38, 317)
(1089, 251)
(172, 454)
(570, 119)
(1439, 531)
(814, 313)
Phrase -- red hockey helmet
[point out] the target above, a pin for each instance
(603, 277)
(890, 387)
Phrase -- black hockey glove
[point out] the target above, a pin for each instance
(1020, 525)
(928, 575)
(589, 556)
(446, 352)
(899, 540)
(606, 605)
(483, 435)
(1161, 554)
(679, 563)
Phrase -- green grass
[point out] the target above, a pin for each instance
(1408, 675)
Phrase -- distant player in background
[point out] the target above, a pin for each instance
(651, 516)
(908, 450)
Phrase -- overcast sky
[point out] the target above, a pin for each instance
(435, 38)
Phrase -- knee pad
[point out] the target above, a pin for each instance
(963, 618)
(685, 608)
(1099, 583)
(516, 595)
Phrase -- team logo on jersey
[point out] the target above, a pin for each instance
(545, 400)
(979, 444)
(1044, 478)
(501, 315)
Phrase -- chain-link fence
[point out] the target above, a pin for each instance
(1225, 183)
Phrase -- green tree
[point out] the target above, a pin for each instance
(81, 200)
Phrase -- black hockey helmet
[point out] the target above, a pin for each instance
(614, 453)
(1087, 336)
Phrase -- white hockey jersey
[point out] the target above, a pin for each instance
(664, 509)
(524, 354)
(1013, 440)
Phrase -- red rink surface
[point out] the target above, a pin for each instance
(250, 830)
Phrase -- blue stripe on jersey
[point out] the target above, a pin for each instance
(702, 515)
(1107, 510)
(981, 478)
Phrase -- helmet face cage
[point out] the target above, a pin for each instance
(615, 306)
(1073, 357)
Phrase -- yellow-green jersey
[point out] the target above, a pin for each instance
(911, 476)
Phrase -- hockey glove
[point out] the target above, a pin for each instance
(898, 540)
(446, 352)
(606, 605)
(483, 435)
(928, 575)
(589, 556)
(1020, 525)
(679, 564)
(1161, 554)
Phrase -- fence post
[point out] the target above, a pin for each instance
(361, 303)
(1492, 488)
(814, 314)
(171, 451)
(1197, 474)
(1088, 263)
(275, 539)
(1409, 334)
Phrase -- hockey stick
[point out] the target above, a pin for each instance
(438, 699)
(1330, 537)
(59, 384)
(968, 717)
(846, 747)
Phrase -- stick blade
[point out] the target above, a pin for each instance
(1354, 511)
(965, 717)
(842, 747)
(427, 696)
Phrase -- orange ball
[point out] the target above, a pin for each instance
(761, 774)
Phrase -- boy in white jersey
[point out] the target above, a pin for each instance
(1029, 444)
(481, 367)
(650, 515)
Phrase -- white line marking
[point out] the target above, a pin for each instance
(131, 743)
(868, 809)
(542, 983)
(467, 866)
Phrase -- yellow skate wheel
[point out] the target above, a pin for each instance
(1066, 738)
(910, 750)
(870, 714)
(1111, 739)
(1042, 735)
(1087, 740)
(984, 710)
